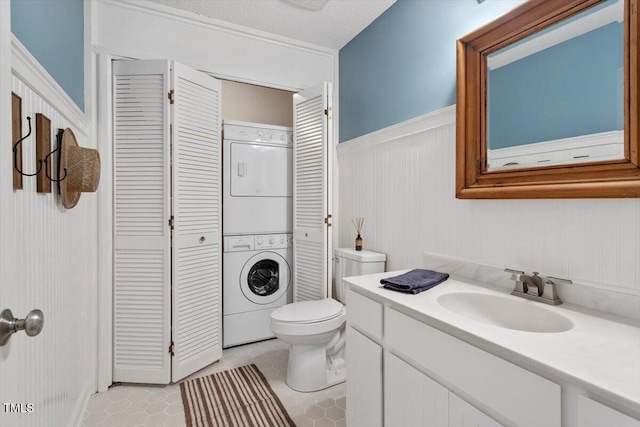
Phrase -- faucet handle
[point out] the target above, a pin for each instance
(515, 274)
(556, 280)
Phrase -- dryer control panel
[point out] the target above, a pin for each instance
(256, 132)
(258, 242)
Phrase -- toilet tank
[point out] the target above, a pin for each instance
(349, 262)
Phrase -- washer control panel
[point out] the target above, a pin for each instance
(258, 242)
(238, 243)
(273, 241)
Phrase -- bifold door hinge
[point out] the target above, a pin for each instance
(171, 222)
(327, 111)
(170, 95)
(171, 348)
(327, 220)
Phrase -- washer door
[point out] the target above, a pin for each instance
(265, 278)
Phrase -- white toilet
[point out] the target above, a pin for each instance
(315, 329)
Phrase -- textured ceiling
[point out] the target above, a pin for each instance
(333, 26)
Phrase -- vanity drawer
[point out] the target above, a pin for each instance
(594, 414)
(520, 396)
(364, 315)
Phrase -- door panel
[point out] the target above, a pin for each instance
(196, 185)
(412, 399)
(364, 382)
(311, 198)
(463, 414)
(141, 295)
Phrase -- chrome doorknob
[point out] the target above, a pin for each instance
(31, 325)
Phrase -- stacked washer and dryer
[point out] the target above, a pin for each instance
(257, 226)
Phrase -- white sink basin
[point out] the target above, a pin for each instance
(505, 312)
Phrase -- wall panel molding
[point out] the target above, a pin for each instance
(402, 180)
(54, 266)
(404, 129)
(27, 68)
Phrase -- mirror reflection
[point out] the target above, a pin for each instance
(557, 97)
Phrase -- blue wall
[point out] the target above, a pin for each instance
(570, 89)
(403, 65)
(53, 31)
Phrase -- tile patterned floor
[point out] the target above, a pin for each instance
(133, 405)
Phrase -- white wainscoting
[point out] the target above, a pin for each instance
(401, 180)
(54, 267)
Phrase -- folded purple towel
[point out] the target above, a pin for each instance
(414, 281)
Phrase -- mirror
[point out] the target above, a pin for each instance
(548, 103)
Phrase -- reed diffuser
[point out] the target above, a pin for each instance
(358, 223)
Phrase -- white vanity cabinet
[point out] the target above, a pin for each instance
(412, 362)
(384, 343)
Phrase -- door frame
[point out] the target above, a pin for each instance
(7, 274)
(103, 134)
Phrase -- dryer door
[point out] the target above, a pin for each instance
(261, 170)
(265, 278)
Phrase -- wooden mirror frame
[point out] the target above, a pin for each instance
(611, 178)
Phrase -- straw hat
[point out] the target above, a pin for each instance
(83, 170)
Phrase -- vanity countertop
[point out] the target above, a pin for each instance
(601, 353)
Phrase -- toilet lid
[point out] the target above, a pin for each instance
(308, 311)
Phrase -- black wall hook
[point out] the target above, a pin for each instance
(46, 159)
(15, 154)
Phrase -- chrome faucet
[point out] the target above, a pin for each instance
(545, 291)
(533, 280)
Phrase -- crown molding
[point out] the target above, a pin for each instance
(219, 25)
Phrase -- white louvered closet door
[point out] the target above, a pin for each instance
(142, 247)
(311, 193)
(196, 265)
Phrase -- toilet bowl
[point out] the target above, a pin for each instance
(315, 330)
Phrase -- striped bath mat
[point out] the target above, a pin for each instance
(238, 397)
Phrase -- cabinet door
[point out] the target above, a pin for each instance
(461, 414)
(411, 399)
(594, 414)
(364, 381)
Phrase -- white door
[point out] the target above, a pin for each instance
(311, 193)
(167, 302)
(48, 258)
(142, 236)
(196, 269)
(10, 355)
